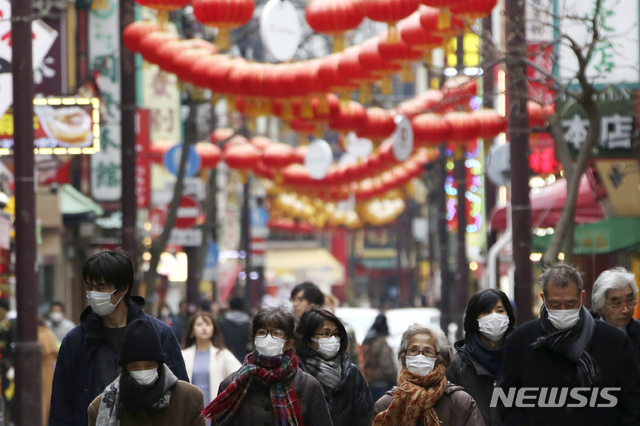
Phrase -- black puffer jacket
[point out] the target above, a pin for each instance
(476, 380)
(350, 402)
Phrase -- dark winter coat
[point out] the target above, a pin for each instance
(74, 386)
(454, 408)
(476, 380)
(236, 327)
(525, 366)
(256, 409)
(184, 409)
(378, 361)
(633, 331)
(350, 403)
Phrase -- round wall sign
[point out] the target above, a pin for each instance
(280, 29)
(318, 159)
(402, 138)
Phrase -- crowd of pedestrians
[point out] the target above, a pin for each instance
(302, 366)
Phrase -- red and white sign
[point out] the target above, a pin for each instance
(189, 211)
(157, 218)
(143, 167)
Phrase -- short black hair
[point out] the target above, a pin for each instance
(4, 304)
(309, 323)
(58, 304)
(111, 267)
(311, 292)
(276, 317)
(481, 302)
(236, 303)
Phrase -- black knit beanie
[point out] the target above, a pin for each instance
(140, 343)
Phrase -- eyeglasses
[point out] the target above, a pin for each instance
(274, 333)
(619, 305)
(327, 334)
(426, 352)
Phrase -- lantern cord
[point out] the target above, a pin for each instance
(427, 56)
(223, 40)
(231, 103)
(407, 73)
(365, 94)
(444, 19)
(387, 89)
(163, 18)
(287, 112)
(307, 112)
(392, 33)
(323, 107)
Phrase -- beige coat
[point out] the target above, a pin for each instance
(49, 344)
(184, 409)
(221, 364)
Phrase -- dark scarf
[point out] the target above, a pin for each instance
(329, 372)
(572, 343)
(277, 372)
(491, 359)
(137, 397)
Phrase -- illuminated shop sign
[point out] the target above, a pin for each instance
(61, 126)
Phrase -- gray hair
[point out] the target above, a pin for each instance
(443, 347)
(612, 279)
(561, 275)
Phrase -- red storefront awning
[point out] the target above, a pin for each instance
(547, 204)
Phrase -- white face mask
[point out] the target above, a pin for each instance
(101, 302)
(165, 313)
(56, 317)
(420, 365)
(493, 326)
(328, 347)
(269, 345)
(144, 377)
(563, 318)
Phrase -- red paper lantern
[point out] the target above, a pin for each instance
(261, 142)
(184, 61)
(349, 66)
(334, 17)
(150, 44)
(464, 126)
(351, 117)
(209, 153)
(278, 155)
(491, 123)
(378, 125)
(219, 75)
(390, 12)
(199, 73)
(430, 129)
(310, 84)
(399, 53)
(133, 34)
(418, 37)
(444, 19)
(329, 74)
(224, 15)
(300, 153)
(473, 9)
(241, 156)
(539, 114)
(371, 60)
(163, 7)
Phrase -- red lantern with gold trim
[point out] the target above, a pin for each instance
(350, 67)
(371, 60)
(378, 125)
(242, 156)
(150, 44)
(464, 126)
(163, 7)
(351, 118)
(278, 155)
(430, 129)
(330, 75)
(399, 53)
(491, 123)
(390, 12)
(224, 15)
(444, 19)
(418, 37)
(334, 17)
(134, 32)
(473, 9)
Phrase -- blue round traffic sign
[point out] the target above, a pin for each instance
(172, 161)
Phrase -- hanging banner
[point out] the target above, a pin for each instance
(104, 58)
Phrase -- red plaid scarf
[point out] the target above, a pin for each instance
(278, 372)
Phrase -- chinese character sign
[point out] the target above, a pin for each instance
(616, 55)
(104, 44)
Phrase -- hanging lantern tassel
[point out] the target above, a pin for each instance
(427, 56)
(304, 140)
(307, 112)
(392, 33)
(215, 98)
(365, 94)
(345, 97)
(231, 103)
(386, 85)
(162, 17)
(324, 105)
(278, 179)
(338, 42)
(407, 73)
(287, 111)
(318, 133)
(223, 40)
(251, 124)
(444, 19)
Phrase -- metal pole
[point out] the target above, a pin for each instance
(448, 284)
(245, 240)
(128, 151)
(28, 352)
(459, 174)
(519, 150)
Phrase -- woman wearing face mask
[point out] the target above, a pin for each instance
(207, 360)
(322, 351)
(146, 392)
(269, 388)
(423, 395)
(477, 364)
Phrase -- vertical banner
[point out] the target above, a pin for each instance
(104, 59)
(143, 164)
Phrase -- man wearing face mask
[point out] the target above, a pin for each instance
(87, 361)
(566, 348)
(58, 323)
(477, 364)
(146, 392)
